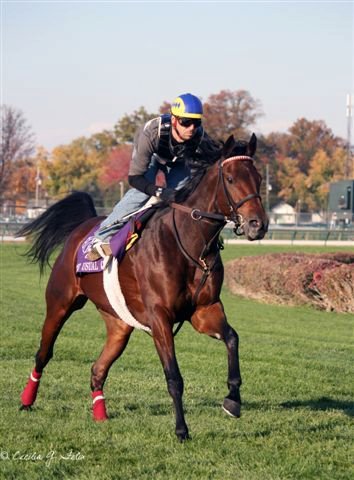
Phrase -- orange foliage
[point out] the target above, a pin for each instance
(116, 167)
(22, 181)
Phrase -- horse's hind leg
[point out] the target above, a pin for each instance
(118, 334)
(60, 305)
(211, 320)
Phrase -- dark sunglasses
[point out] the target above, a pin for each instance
(187, 122)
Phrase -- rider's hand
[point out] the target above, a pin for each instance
(168, 195)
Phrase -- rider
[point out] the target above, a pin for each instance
(175, 143)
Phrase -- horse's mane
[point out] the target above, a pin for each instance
(191, 185)
(211, 154)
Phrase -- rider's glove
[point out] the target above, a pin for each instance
(166, 194)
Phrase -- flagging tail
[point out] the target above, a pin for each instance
(51, 229)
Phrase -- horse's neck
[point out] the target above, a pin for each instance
(198, 233)
(203, 196)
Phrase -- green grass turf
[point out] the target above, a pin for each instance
(297, 419)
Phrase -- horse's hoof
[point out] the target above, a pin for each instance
(232, 408)
(27, 408)
(182, 437)
(182, 432)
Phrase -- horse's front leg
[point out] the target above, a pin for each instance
(232, 403)
(211, 320)
(164, 343)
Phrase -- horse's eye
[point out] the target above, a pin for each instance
(229, 179)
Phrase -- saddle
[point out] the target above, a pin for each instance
(120, 242)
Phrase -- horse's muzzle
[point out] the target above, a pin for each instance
(255, 228)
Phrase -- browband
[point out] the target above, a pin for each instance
(238, 157)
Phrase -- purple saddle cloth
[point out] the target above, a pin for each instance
(118, 244)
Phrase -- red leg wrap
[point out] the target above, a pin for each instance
(29, 394)
(99, 406)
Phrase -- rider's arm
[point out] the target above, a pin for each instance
(140, 183)
(145, 144)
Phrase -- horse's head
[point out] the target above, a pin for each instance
(239, 184)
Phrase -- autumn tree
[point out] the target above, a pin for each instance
(292, 181)
(127, 126)
(113, 178)
(116, 166)
(323, 170)
(75, 166)
(230, 112)
(307, 137)
(17, 143)
(304, 161)
(103, 142)
(22, 183)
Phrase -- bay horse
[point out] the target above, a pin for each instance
(182, 282)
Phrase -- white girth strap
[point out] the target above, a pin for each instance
(115, 296)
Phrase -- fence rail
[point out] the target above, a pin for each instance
(8, 230)
(293, 234)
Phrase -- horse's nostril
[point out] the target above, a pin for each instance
(255, 223)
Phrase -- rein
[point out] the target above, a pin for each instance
(200, 263)
(197, 214)
(200, 215)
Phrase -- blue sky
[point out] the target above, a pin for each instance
(77, 67)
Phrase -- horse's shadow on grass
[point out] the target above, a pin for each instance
(319, 404)
(155, 409)
(322, 404)
(164, 408)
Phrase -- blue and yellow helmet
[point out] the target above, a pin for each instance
(187, 106)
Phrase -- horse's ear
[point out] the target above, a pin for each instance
(252, 145)
(228, 146)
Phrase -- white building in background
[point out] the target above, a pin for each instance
(286, 215)
(282, 214)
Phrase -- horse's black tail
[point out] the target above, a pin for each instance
(52, 228)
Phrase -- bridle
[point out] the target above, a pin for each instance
(233, 216)
(198, 215)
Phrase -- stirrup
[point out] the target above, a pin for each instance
(99, 250)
